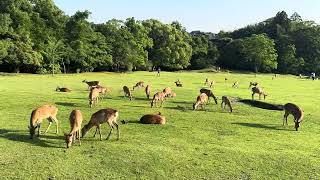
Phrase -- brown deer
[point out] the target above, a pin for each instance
(159, 96)
(167, 91)
(63, 89)
(235, 84)
(44, 112)
(253, 84)
(178, 83)
(148, 91)
(258, 90)
(107, 115)
(153, 119)
(75, 119)
(139, 84)
(94, 96)
(102, 90)
(294, 110)
(202, 100)
(173, 95)
(91, 83)
(226, 102)
(209, 93)
(127, 92)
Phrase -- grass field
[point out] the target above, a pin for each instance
(250, 143)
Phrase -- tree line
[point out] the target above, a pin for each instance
(37, 37)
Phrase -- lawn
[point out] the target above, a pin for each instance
(250, 143)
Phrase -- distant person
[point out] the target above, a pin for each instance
(313, 76)
(158, 71)
(300, 75)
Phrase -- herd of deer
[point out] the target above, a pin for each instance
(110, 116)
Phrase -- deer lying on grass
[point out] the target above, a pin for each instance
(75, 119)
(94, 96)
(253, 84)
(294, 110)
(258, 90)
(148, 91)
(226, 102)
(91, 83)
(202, 100)
(167, 91)
(44, 112)
(235, 84)
(127, 92)
(159, 96)
(63, 89)
(107, 115)
(139, 84)
(153, 119)
(209, 93)
(178, 83)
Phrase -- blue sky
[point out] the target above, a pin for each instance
(205, 15)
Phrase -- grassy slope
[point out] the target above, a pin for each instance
(249, 143)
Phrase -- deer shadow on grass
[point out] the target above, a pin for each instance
(261, 126)
(66, 104)
(21, 136)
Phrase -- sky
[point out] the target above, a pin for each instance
(204, 15)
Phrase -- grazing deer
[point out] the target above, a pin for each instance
(127, 92)
(44, 112)
(253, 84)
(91, 83)
(153, 119)
(107, 115)
(63, 89)
(202, 99)
(235, 84)
(178, 83)
(139, 84)
(167, 91)
(296, 111)
(209, 93)
(94, 96)
(226, 102)
(102, 90)
(148, 91)
(159, 96)
(258, 90)
(75, 119)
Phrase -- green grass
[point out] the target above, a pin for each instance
(250, 143)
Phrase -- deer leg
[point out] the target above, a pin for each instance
(50, 122)
(38, 129)
(118, 130)
(252, 96)
(111, 128)
(99, 129)
(78, 132)
(57, 124)
(285, 118)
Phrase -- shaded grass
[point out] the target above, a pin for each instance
(249, 143)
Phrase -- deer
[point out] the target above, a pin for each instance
(211, 84)
(127, 92)
(253, 84)
(206, 82)
(209, 93)
(94, 97)
(102, 90)
(153, 119)
(178, 83)
(91, 83)
(43, 112)
(139, 84)
(63, 89)
(202, 99)
(235, 84)
(226, 102)
(107, 115)
(173, 95)
(258, 90)
(167, 91)
(294, 110)
(159, 96)
(148, 91)
(75, 119)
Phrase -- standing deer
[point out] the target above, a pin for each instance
(153, 119)
(294, 110)
(139, 84)
(159, 96)
(209, 93)
(127, 92)
(258, 90)
(75, 119)
(178, 83)
(148, 91)
(94, 96)
(202, 99)
(107, 115)
(91, 83)
(226, 102)
(167, 91)
(44, 112)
